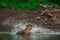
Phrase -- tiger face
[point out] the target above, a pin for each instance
(29, 27)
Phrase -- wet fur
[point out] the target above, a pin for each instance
(26, 30)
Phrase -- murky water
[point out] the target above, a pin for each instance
(35, 29)
(29, 37)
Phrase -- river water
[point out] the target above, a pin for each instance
(35, 29)
(29, 37)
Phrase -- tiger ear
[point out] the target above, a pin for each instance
(30, 25)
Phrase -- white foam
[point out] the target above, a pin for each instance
(22, 24)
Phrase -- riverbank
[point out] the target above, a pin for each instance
(45, 17)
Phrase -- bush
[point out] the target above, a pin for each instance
(23, 4)
(55, 2)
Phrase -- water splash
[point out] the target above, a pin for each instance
(35, 29)
(20, 25)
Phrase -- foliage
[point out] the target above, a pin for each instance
(23, 4)
(55, 2)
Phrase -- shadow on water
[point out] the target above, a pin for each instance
(29, 37)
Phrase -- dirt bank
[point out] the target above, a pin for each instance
(47, 17)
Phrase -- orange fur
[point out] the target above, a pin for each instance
(26, 30)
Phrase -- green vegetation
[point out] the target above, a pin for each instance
(55, 2)
(23, 4)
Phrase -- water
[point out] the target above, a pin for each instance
(21, 25)
(29, 37)
(35, 29)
